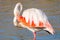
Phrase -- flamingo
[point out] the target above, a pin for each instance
(33, 19)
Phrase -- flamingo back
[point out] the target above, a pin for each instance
(34, 17)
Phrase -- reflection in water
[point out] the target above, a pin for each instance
(9, 32)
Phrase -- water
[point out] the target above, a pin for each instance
(9, 32)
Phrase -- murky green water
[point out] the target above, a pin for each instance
(9, 32)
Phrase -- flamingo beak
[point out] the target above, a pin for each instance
(49, 29)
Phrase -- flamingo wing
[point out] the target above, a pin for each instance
(33, 18)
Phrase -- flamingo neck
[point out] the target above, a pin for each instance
(18, 9)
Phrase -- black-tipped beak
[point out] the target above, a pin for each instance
(48, 32)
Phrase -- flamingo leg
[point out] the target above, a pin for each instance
(34, 33)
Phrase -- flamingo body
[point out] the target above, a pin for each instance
(33, 19)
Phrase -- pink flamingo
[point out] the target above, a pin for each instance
(33, 19)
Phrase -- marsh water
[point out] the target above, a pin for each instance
(9, 32)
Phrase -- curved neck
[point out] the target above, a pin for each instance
(17, 9)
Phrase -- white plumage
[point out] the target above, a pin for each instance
(34, 14)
